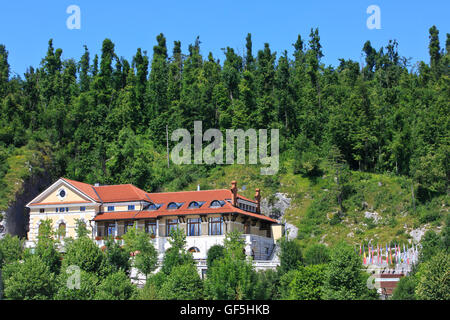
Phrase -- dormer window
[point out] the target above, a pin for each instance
(174, 205)
(195, 204)
(217, 203)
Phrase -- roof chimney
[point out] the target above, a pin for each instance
(97, 184)
(198, 187)
(258, 200)
(233, 193)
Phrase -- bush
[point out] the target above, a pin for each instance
(116, 286)
(137, 240)
(405, 289)
(151, 290)
(87, 290)
(84, 253)
(28, 280)
(183, 283)
(215, 252)
(304, 283)
(434, 281)
(10, 249)
(231, 277)
(267, 285)
(431, 245)
(344, 279)
(308, 164)
(290, 256)
(317, 254)
(428, 215)
(176, 255)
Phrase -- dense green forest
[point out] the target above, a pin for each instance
(103, 119)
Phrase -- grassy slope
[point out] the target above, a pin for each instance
(314, 203)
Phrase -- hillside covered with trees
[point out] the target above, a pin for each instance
(352, 137)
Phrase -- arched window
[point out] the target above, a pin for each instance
(172, 205)
(61, 231)
(194, 250)
(194, 205)
(152, 206)
(215, 203)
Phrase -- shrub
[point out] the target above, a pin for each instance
(86, 291)
(304, 283)
(290, 255)
(317, 254)
(28, 280)
(84, 253)
(405, 289)
(215, 252)
(183, 283)
(344, 278)
(307, 164)
(10, 249)
(116, 286)
(434, 281)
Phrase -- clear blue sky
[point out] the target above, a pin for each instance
(26, 26)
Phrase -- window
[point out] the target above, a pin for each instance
(194, 205)
(172, 205)
(61, 210)
(67, 209)
(155, 206)
(194, 227)
(172, 224)
(56, 209)
(150, 226)
(217, 203)
(41, 210)
(215, 226)
(61, 231)
(194, 250)
(110, 229)
(62, 193)
(110, 208)
(127, 225)
(82, 208)
(131, 207)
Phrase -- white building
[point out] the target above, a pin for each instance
(206, 216)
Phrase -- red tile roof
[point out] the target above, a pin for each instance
(83, 187)
(163, 211)
(120, 193)
(128, 192)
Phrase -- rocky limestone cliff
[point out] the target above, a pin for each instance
(17, 215)
(276, 209)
